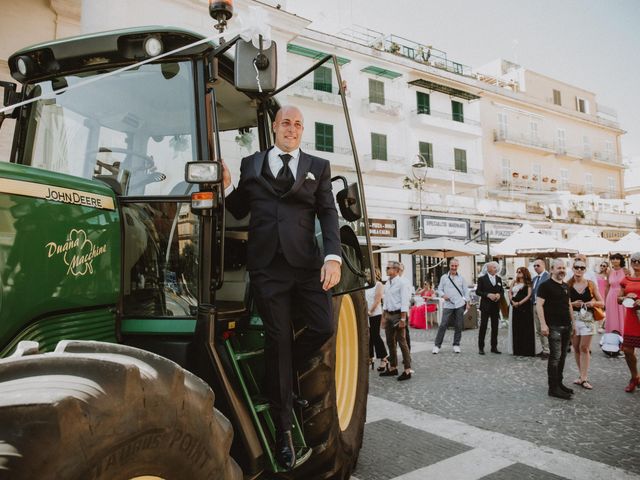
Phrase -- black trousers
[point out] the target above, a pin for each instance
(484, 320)
(280, 292)
(375, 340)
(559, 338)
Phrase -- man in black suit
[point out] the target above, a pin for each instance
(284, 190)
(490, 291)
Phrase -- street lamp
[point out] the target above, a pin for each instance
(417, 181)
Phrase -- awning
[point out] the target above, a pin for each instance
(381, 72)
(311, 53)
(436, 87)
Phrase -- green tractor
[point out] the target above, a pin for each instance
(125, 305)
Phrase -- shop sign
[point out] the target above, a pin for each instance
(498, 231)
(380, 227)
(445, 227)
(612, 234)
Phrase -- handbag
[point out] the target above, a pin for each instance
(598, 312)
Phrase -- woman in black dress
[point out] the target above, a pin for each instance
(522, 315)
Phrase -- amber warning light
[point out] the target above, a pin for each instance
(201, 200)
(221, 11)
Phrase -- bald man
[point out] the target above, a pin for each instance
(285, 190)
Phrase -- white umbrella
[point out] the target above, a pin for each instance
(528, 241)
(630, 243)
(590, 243)
(441, 247)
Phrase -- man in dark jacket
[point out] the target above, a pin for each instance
(490, 291)
(284, 190)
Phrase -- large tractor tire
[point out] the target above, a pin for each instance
(336, 385)
(99, 411)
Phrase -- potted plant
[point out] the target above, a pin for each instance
(515, 174)
(394, 47)
(545, 179)
(525, 177)
(553, 180)
(534, 178)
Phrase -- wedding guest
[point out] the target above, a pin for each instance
(630, 289)
(540, 277)
(615, 312)
(584, 297)
(602, 279)
(374, 308)
(522, 314)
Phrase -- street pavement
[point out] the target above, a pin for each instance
(467, 416)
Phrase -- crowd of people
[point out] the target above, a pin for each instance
(560, 310)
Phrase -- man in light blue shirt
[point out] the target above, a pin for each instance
(455, 292)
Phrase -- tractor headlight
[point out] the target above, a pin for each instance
(203, 172)
(153, 46)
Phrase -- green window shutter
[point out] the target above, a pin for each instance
(457, 111)
(378, 146)
(424, 104)
(460, 159)
(426, 150)
(322, 79)
(376, 91)
(324, 137)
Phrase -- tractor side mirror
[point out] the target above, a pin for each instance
(256, 69)
(349, 200)
(10, 96)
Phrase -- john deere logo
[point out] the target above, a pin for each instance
(77, 252)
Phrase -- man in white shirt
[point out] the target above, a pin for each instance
(454, 290)
(396, 321)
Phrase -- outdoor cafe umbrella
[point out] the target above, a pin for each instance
(628, 244)
(440, 247)
(527, 241)
(590, 243)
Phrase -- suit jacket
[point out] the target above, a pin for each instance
(543, 278)
(484, 288)
(287, 220)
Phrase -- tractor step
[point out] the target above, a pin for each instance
(249, 354)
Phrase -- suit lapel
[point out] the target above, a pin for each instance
(304, 164)
(258, 163)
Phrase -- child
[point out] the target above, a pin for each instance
(610, 343)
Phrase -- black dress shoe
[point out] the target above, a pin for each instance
(566, 389)
(495, 350)
(285, 453)
(389, 373)
(300, 402)
(558, 393)
(481, 352)
(404, 376)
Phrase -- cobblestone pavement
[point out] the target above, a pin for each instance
(500, 401)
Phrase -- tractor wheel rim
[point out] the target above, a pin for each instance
(346, 371)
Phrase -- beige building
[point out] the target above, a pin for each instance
(28, 22)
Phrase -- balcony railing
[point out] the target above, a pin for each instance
(390, 158)
(446, 116)
(382, 105)
(336, 149)
(528, 184)
(310, 90)
(451, 168)
(526, 140)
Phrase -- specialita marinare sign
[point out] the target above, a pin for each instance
(445, 227)
(56, 194)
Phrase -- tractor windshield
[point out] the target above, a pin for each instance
(135, 129)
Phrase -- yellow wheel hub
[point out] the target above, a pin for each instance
(346, 361)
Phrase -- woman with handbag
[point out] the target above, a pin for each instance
(629, 298)
(586, 304)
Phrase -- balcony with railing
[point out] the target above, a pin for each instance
(446, 121)
(535, 184)
(340, 157)
(394, 165)
(318, 92)
(523, 140)
(447, 173)
(382, 105)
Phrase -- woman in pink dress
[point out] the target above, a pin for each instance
(602, 277)
(614, 311)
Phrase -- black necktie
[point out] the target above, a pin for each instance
(285, 176)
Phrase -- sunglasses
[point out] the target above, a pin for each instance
(635, 260)
(579, 268)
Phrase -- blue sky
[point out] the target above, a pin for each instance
(593, 44)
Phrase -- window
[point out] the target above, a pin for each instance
(460, 159)
(426, 150)
(582, 105)
(564, 179)
(557, 100)
(588, 182)
(608, 151)
(536, 175)
(322, 79)
(533, 127)
(561, 145)
(378, 146)
(506, 171)
(376, 91)
(457, 111)
(612, 185)
(502, 126)
(324, 137)
(423, 100)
